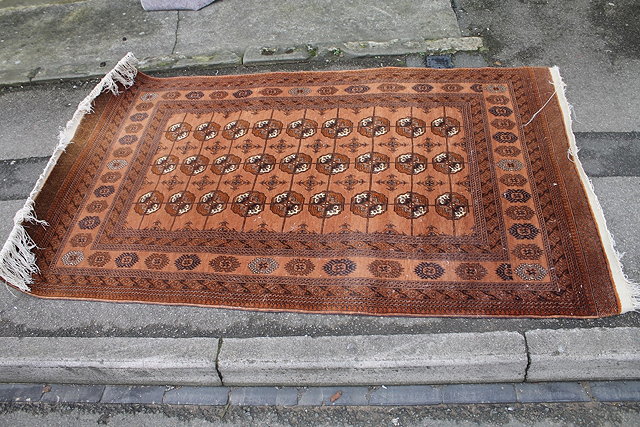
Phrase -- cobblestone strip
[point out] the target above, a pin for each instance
(423, 395)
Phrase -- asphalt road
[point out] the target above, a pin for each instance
(567, 414)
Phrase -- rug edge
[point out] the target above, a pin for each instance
(17, 260)
(627, 291)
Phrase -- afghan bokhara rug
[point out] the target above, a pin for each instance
(387, 191)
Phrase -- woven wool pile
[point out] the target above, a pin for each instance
(387, 191)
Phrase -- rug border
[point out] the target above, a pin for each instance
(627, 292)
(17, 259)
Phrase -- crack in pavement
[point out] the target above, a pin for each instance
(175, 42)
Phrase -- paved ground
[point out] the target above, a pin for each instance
(593, 41)
(94, 34)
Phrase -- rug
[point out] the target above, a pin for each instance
(391, 191)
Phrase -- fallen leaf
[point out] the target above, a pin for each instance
(335, 396)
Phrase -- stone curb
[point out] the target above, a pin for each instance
(358, 49)
(584, 354)
(374, 359)
(109, 360)
(452, 358)
(253, 55)
(413, 395)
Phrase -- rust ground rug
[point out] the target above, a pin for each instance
(390, 191)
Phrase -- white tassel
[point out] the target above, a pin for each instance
(17, 259)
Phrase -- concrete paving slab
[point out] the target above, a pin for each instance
(145, 361)
(18, 314)
(80, 38)
(71, 39)
(373, 359)
(583, 354)
(297, 22)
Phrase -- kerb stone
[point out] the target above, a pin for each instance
(584, 354)
(148, 361)
(377, 359)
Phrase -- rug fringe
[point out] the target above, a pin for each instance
(628, 291)
(17, 259)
